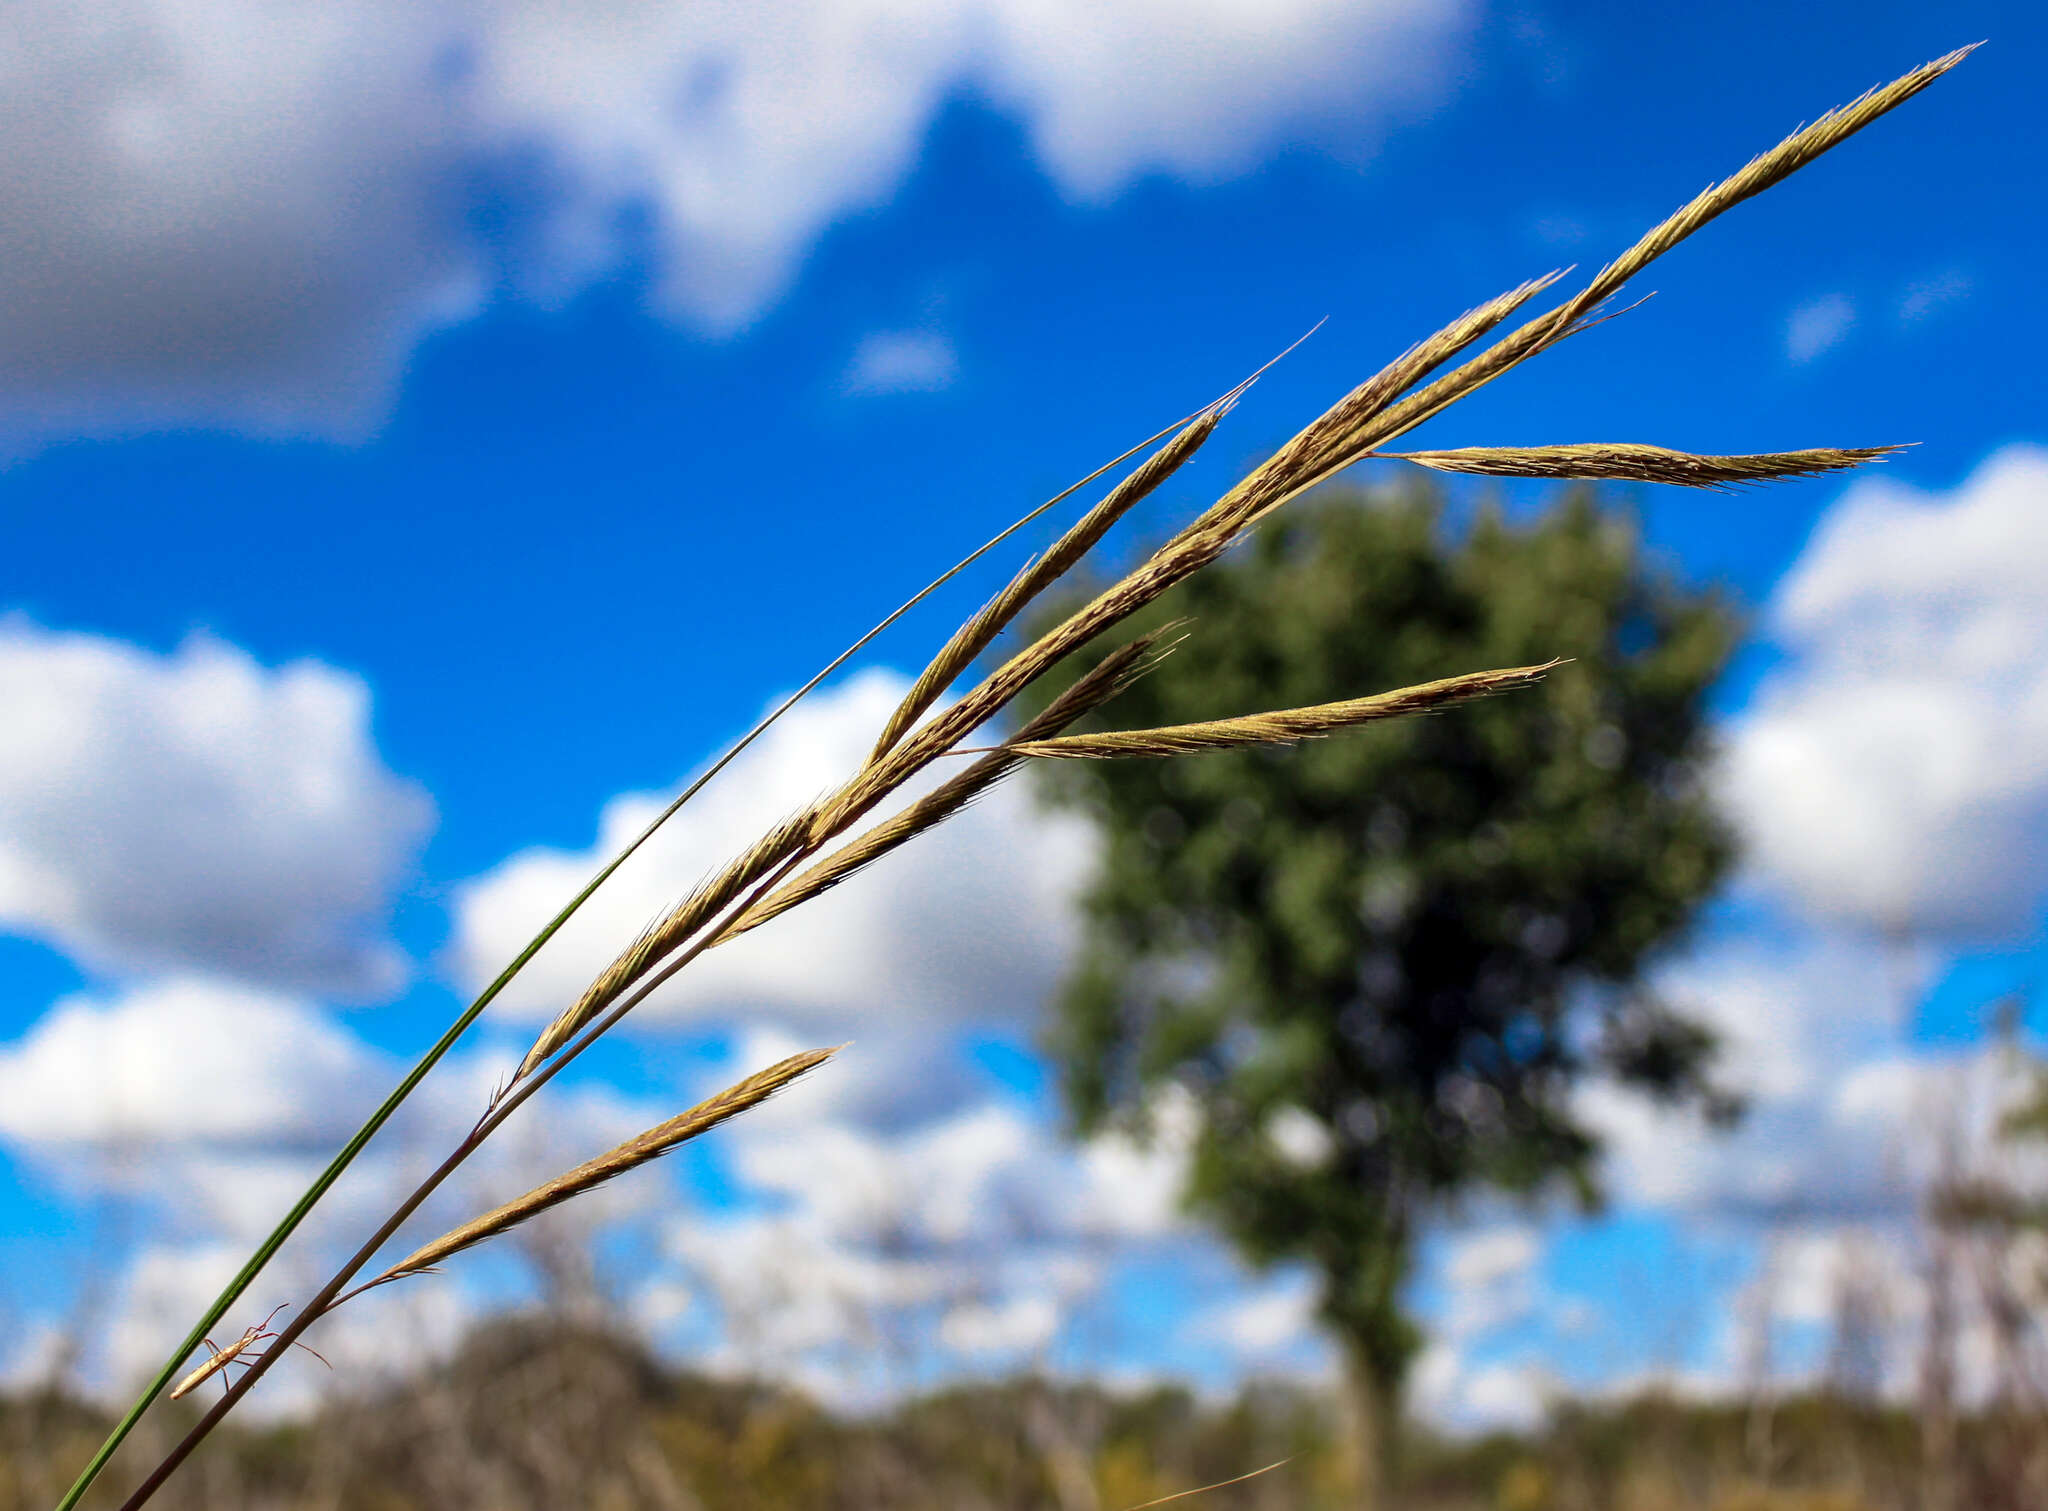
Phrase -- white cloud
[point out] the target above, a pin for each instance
(205, 1110)
(864, 1261)
(1202, 89)
(1508, 1397)
(1018, 1325)
(165, 1287)
(1457, 1393)
(1895, 771)
(861, 1260)
(36, 1355)
(219, 1104)
(182, 1061)
(981, 1172)
(1810, 1270)
(1492, 1257)
(1489, 1279)
(198, 812)
(896, 362)
(1930, 295)
(1818, 326)
(969, 923)
(1811, 1030)
(226, 213)
(240, 216)
(1277, 1320)
(1888, 778)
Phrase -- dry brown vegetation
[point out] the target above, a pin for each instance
(541, 1414)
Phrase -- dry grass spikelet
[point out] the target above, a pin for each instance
(979, 632)
(1333, 440)
(1759, 174)
(663, 937)
(1644, 464)
(1284, 726)
(651, 1145)
(1103, 682)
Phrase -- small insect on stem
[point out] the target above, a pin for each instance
(221, 1358)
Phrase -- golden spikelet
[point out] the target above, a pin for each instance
(1283, 726)
(975, 636)
(667, 933)
(1365, 418)
(1329, 443)
(1103, 682)
(651, 1145)
(1545, 330)
(1643, 464)
(1350, 429)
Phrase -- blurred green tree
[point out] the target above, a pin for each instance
(1381, 963)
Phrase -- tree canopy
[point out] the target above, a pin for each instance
(1381, 963)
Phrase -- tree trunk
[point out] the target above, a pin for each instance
(1367, 1443)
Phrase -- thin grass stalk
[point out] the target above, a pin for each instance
(335, 1290)
(1298, 465)
(1321, 448)
(1181, 1495)
(501, 1109)
(975, 636)
(1627, 462)
(324, 1182)
(1185, 553)
(349, 1152)
(709, 899)
(1284, 726)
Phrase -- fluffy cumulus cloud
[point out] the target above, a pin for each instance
(202, 1111)
(243, 215)
(198, 812)
(1840, 1110)
(1490, 1278)
(223, 1101)
(1894, 771)
(230, 213)
(166, 1285)
(1889, 780)
(894, 362)
(182, 1061)
(898, 1218)
(1818, 1197)
(864, 1260)
(1819, 326)
(1452, 1390)
(968, 924)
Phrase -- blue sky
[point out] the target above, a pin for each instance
(427, 436)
